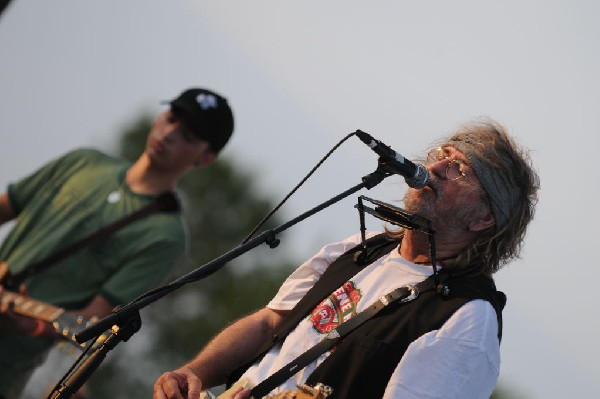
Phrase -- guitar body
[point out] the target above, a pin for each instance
(319, 391)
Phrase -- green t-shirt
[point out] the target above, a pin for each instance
(66, 200)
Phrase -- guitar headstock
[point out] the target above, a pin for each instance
(67, 325)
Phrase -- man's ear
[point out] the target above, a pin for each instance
(482, 223)
(205, 158)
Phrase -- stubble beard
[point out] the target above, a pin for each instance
(448, 220)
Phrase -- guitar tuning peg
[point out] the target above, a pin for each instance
(64, 346)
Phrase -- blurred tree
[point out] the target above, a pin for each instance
(220, 208)
(505, 392)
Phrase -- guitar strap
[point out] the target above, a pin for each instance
(335, 275)
(166, 202)
(399, 295)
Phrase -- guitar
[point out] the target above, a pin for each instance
(65, 324)
(304, 391)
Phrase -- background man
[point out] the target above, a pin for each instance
(83, 191)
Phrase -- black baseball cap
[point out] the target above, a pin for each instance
(207, 114)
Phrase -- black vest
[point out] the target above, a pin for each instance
(363, 362)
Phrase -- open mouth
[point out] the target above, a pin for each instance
(432, 186)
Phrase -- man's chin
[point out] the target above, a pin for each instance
(419, 203)
(420, 210)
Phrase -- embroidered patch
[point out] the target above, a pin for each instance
(206, 101)
(336, 309)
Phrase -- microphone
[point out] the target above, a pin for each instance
(416, 176)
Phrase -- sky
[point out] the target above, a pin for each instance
(302, 76)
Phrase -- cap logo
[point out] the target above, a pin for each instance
(206, 101)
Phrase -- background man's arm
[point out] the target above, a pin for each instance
(6, 211)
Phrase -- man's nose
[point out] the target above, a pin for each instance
(438, 168)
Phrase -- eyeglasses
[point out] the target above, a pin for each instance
(455, 169)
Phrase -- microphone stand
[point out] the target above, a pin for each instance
(84, 371)
(125, 321)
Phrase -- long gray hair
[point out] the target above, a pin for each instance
(510, 186)
(506, 173)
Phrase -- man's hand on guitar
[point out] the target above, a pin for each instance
(9, 320)
(240, 393)
(182, 383)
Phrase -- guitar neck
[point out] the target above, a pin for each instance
(26, 306)
(65, 324)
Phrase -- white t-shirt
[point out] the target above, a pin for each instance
(460, 360)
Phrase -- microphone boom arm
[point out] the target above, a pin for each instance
(118, 316)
